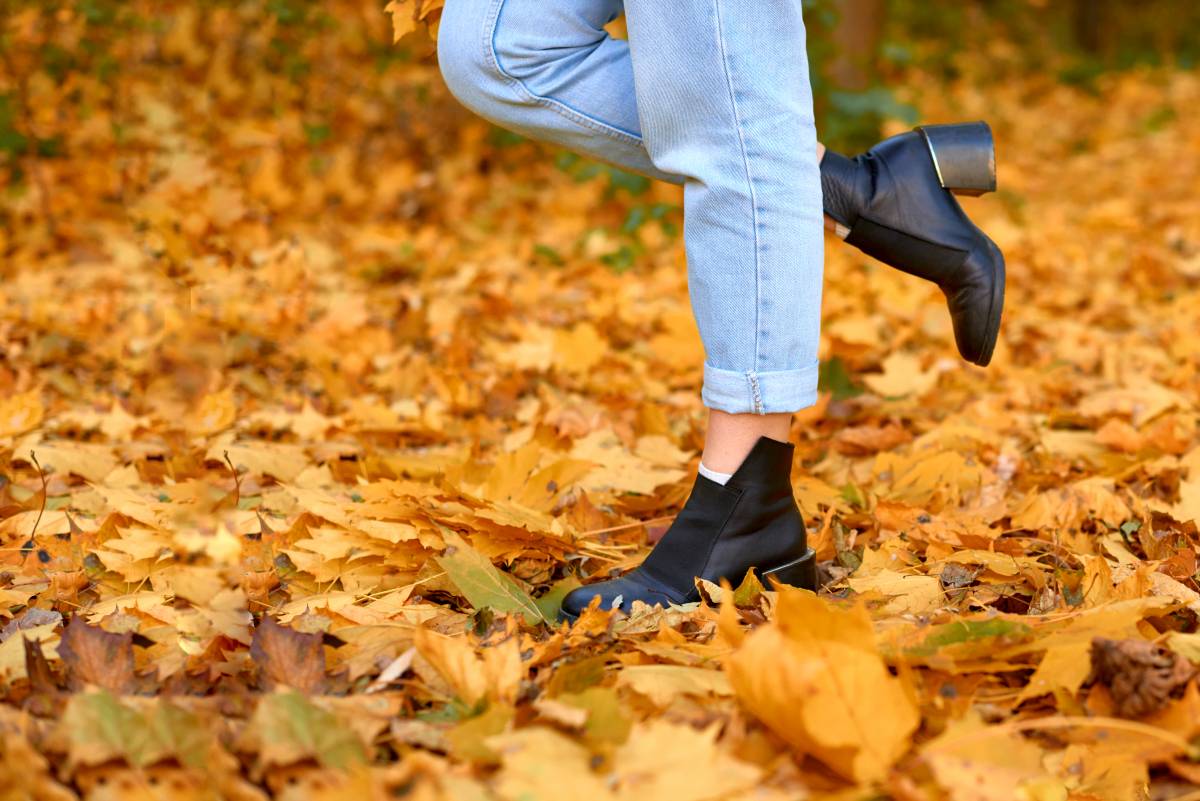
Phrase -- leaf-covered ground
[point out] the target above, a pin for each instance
(317, 394)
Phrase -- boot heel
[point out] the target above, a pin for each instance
(801, 573)
(964, 156)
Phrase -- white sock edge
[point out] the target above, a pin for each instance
(713, 475)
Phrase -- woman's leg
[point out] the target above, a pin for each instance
(731, 436)
(726, 106)
(723, 105)
(724, 99)
(550, 71)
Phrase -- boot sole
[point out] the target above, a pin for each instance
(801, 573)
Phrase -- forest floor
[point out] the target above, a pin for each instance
(307, 428)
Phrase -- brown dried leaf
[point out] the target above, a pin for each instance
(289, 657)
(97, 657)
(865, 440)
(37, 670)
(1141, 676)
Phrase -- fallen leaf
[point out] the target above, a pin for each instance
(863, 440)
(815, 677)
(288, 728)
(482, 584)
(902, 375)
(493, 672)
(1141, 676)
(97, 657)
(662, 683)
(288, 657)
(666, 760)
(972, 763)
(20, 413)
(906, 594)
(539, 763)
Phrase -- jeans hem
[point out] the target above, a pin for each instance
(755, 392)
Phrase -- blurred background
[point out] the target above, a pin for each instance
(331, 76)
(862, 52)
(209, 152)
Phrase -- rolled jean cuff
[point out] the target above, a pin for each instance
(753, 392)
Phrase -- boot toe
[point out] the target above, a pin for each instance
(576, 601)
(618, 593)
(976, 306)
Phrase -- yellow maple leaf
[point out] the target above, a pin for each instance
(816, 678)
(975, 763)
(663, 683)
(215, 412)
(902, 375)
(492, 672)
(12, 650)
(19, 413)
(670, 760)
(579, 349)
(1188, 508)
(919, 477)
(538, 763)
(906, 594)
(409, 15)
(1068, 506)
(617, 469)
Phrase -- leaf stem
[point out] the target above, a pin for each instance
(45, 495)
(237, 481)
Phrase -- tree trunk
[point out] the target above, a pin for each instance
(856, 37)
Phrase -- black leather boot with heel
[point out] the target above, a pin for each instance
(721, 532)
(897, 201)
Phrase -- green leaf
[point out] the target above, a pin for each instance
(575, 677)
(186, 735)
(551, 602)
(749, 591)
(1131, 527)
(550, 254)
(481, 583)
(318, 133)
(101, 729)
(290, 728)
(466, 740)
(835, 378)
(606, 723)
(961, 631)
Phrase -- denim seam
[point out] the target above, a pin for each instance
(755, 391)
(551, 103)
(737, 123)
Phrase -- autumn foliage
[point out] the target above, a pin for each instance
(318, 393)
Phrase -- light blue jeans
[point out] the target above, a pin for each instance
(711, 94)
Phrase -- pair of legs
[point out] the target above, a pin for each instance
(710, 94)
(715, 95)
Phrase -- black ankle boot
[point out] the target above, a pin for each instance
(721, 532)
(896, 200)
